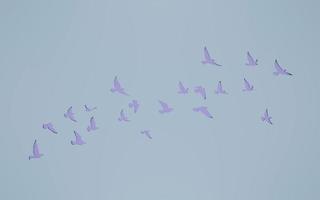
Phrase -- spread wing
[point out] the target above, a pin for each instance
(206, 54)
(163, 104)
(181, 87)
(78, 137)
(205, 111)
(35, 148)
(277, 66)
(249, 57)
(70, 110)
(246, 83)
(116, 83)
(219, 88)
(92, 122)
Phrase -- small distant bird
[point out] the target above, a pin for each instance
(201, 90)
(89, 109)
(208, 59)
(165, 107)
(35, 152)
(50, 127)
(203, 110)
(92, 126)
(135, 105)
(123, 117)
(266, 117)
(147, 133)
(117, 87)
(247, 86)
(70, 114)
(251, 60)
(78, 140)
(280, 70)
(220, 90)
(182, 89)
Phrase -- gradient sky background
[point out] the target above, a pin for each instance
(54, 54)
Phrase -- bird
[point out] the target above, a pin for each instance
(50, 127)
(70, 114)
(266, 117)
(203, 110)
(182, 89)
(251, 61)
(89, 109)
(117, 87)
(123, 117)
(92, 126)
(146, 133)
(201, 90)
(247, 86)
(208, 59)
(220, 90)
(280, 70)
(165, 107)
(78, 140)
(35, 151)
(135, 105)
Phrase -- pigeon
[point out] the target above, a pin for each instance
(123, 117)
(280, 70)
(35, 152)
(208, 59)
(50, 127)
(89, 109)
(165, 107)
(247, 86)
(251, 61)
(147, 133)
(220, 90)
(78, 140)
(92, 126)
(117, 87)
(203, 110)
(70, 114)
(135, 105)
(201, 90)
(182, 89)
(266, 117)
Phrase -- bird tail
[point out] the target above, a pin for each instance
(30, 157)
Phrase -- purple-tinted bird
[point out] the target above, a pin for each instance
(50, 127)
(78, 140)
(92, 126)
(203, 110)
(247, 86)
(220, 89)
(182, 89)
(251, 60)
(165, 107)
(70, 114)
(123, 117)
(266, 117)
(89, 109)
(135, 105)
(117, 87)
(280, 70)
(201, 90)
(146, 133)
(35, 152)
(208, 59)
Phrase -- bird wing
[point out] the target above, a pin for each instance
(205, 111)
(246, 83)
(219, 88)
(70, 110)
(51, 128)
(249, 57)
(163, 104)
(277, 66)
(206, 54)
(116, 83)
(181, 87)
(35, 148)
(92, 122)
(77, 135)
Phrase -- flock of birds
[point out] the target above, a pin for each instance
(165, 108)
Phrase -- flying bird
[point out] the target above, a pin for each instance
(251, 60)
(35, 152)
(203, 110)
(123, 117)
(146, 133)
(247, 86)
(70, 114)
(135, 105)
(117, 87)
(89, 109)
(165, 107)
(220, 89)
(208, 59)
(201, 90)
(92, 126)
(182, 89)
(50, 127)
(266, 117)
(280, 70)
(78, 140)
